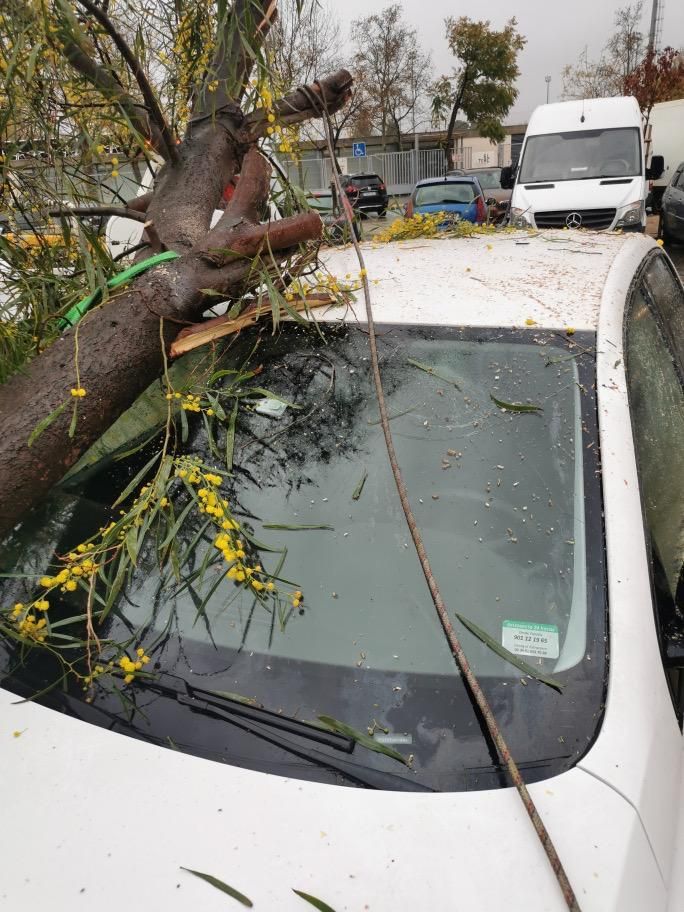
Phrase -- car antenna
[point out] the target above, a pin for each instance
(582, 118)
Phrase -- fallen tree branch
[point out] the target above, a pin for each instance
(154, 111)
(85, 211)
(331, 94)
(103, 80)
(202, 333)
(225, 246)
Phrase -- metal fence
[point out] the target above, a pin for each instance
(399, 170)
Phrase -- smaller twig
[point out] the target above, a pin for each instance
(153, 109)
(85, 211)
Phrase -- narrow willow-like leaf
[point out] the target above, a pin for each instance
(304, 528)
(74, 420)
(362, 739)
(230, 436)
(432, 372)
(137, 481)
(314, 901)
(184, 425)
(359, 488)
(509, 656)
(515, 406)
(220, 885)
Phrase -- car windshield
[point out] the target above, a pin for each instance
(489, 180)
(581, 155)
(445, 192)
(508, 503)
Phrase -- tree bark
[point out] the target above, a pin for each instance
(452, 122)
(120, 345)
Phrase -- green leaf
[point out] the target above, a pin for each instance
(305, 528)
(362, 739)
(359, 487)
(230, 436)
(314, 901)
(432, 372)
(45, 423)
(508, 656)
(515, 406)
(223, 887)
(137, 481)
(184, 425)
(74, 419)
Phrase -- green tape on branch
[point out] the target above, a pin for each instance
(74, 314)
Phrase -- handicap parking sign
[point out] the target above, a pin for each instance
(359, 150)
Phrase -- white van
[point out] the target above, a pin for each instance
(667, 136)
(582, 166)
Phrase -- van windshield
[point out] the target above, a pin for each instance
(581, 155)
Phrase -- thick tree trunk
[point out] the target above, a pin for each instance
(119, 344)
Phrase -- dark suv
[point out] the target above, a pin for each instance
(366, 192)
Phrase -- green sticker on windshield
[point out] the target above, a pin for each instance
(526, 638)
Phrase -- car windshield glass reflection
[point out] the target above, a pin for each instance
(581, 155)
(501, 496)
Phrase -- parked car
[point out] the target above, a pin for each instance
(490, 181)
(366, 192)
(557, 530)
(671, 223)
(461, 196)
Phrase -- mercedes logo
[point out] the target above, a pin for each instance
(574, 220)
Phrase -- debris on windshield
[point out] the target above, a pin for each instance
(306, 527)
(432, 372)
(362, 739)
(359, 488)
(515, 406)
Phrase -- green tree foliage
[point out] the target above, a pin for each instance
(482, 84)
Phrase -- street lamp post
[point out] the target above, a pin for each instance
(547, 79)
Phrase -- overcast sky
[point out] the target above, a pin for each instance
(556, 33)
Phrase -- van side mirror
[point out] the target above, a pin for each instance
(507, 178)
(656, 168)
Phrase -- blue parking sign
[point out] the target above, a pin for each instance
(359, 150)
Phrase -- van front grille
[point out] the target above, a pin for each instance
(568, 218)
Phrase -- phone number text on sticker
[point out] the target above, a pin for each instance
(529, 639)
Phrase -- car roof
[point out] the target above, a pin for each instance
(555, 278)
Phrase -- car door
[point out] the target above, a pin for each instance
(654, 354)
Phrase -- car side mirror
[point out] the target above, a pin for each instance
(490, 201)
(656, 168)
(507, 178)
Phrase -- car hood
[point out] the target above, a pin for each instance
(87, 811)
(580, 194)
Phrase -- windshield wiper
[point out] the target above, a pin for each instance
(267, 726)
(188, 694)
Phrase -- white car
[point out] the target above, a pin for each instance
(558, 530)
